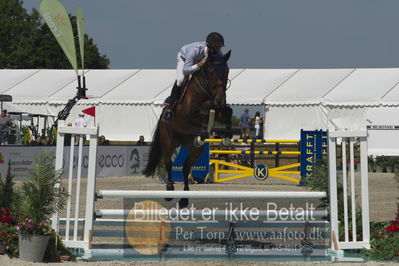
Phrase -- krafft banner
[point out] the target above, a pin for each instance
(313, 148)
(111, 160)
(199, 171)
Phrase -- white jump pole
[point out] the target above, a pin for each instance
(269, 214)
(156, 194)
(70, 177)
(77, 197)
(365, 191)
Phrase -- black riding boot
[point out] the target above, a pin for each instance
(171, 101)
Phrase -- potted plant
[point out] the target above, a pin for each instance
(371, 163)
(380, 162)
(8, 216)
(8, 233)
(41, 197)
(391, 162)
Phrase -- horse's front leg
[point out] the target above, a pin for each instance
(227, 114)
(204, 116)
(193, 155)
(183, 203)
(169, 181)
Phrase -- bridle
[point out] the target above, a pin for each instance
(211, 91)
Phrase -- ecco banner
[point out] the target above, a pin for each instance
(111, 160)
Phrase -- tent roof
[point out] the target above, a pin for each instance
(351, 87)
(98, 81)
(39, 86)
(307, 86)
(143, 87)
(251, 86)
(392, 96)
(364, 87)
(10, 78)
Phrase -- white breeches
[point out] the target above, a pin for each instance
(257, 129)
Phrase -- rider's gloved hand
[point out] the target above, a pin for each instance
(201, 63)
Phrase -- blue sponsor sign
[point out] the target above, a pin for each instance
(199, 170)
(324, 144)
(313, 148)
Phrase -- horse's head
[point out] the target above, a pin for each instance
(218, 73)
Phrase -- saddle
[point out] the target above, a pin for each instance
(185, 87)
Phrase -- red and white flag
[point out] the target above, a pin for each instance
(90, 111)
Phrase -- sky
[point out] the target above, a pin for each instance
(261, 33)
(147, 34)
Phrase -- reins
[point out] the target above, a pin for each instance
(206, 79)
(200, 86)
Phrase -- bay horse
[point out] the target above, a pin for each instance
(205, 90)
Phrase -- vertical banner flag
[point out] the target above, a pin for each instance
(57, 19)
(313, 148)
(81, 34)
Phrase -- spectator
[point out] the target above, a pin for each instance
(262, 120)
(80, 121)
(245, 158)
(47, 141)
(258, 121)
(37, 141)
(102, 140)
(67, 137)
(141, 141)
(244, 124)
(213, 145)
(5, 123)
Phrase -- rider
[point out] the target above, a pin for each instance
(190, 58)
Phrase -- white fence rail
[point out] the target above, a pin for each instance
(350, 242)
(160, 194)
(352, 137)
(77, 134)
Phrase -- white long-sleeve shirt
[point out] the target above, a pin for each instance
(192, 54)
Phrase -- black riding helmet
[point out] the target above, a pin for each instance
(214, 38)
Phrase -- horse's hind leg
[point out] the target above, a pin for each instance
(168, 148)
(169, 181)
(193, 156)
(224, 116)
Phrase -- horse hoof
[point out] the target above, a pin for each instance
(169, 187)
(198, 142)
(183, 203)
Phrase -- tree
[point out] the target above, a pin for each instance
(28, 43)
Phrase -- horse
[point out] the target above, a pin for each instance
(205, 90)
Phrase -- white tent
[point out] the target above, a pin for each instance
(336, 99)
(129, 101)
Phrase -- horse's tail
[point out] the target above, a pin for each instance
(155, 154)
